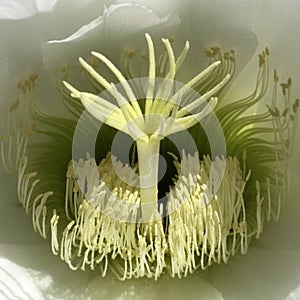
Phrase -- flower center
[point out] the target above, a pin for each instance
(106, 214)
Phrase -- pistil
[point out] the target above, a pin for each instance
(165, 113)
(148, 163)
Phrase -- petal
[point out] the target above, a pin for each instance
(44, 273)
(293, 202)
(20, 40)
(161, 8)
(260, 274)
(217, 23)
(16, 282)
(277, 25)
(294, 295)
(193, 287)
(20, 9)
(281, 235)
(34, 267)
(121, 27)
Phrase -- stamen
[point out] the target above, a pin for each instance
(148, 245)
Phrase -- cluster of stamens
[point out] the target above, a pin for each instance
(196, 232)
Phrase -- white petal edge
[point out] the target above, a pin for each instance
(48, 278)
(294, 295)
(121, 27)
(20, 9)
(109, 12)
(16, 282)
(260, 274)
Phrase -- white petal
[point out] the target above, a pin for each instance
(281, 235)
(294, 295)
(192, 287)
(161, 8)
(34, 267)
(19, 9)
(226, 24)
(20, 40)
(260, 274)
(293, 202)
(277, 26)
(121, 27)
(16, 282)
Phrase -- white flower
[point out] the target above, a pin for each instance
(117, 29)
